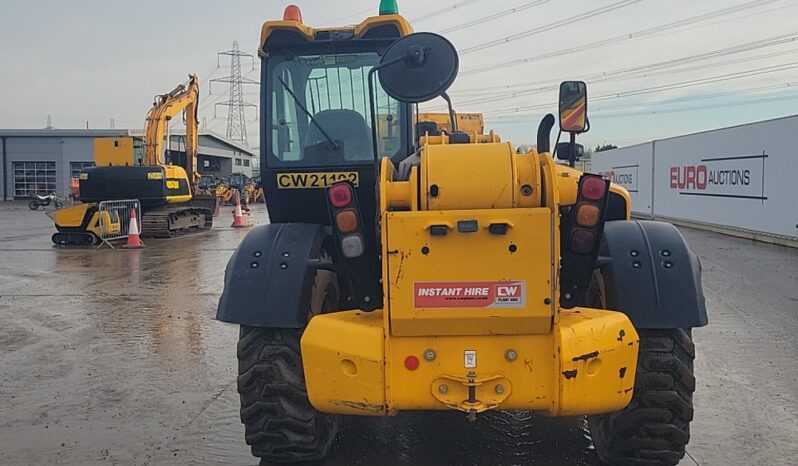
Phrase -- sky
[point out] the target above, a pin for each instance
(654, 68)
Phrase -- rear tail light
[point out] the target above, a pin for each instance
(582, 229)
(346, 221)
(592, 187)
(582, 241)
(340, 195)
(352, 246)
(587, 215)
(353, 252)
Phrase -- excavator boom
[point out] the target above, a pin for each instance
(184, 98)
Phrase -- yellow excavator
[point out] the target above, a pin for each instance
(166, 186)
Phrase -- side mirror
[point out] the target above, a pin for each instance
(573, 107)
(418, 67)
(564, 151)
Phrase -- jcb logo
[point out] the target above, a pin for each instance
(511, 291)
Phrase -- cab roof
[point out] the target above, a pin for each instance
(283, 33)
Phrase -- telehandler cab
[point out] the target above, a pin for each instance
(408, 271)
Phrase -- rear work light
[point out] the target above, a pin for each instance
(340, 195)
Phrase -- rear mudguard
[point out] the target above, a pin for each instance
(268, 279)
(651, 275)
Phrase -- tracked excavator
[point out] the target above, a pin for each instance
(130, 168)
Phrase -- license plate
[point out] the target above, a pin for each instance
(312, 180)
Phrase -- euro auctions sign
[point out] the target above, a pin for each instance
(737, 176)
(510, 294)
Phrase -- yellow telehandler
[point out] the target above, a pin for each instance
(407, 270)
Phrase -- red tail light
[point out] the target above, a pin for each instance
(593, 187)
(583, 229)
(586, 219)
(340, 195)
(582, 241)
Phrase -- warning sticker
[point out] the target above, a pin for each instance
(469, 294)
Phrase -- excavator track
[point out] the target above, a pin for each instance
(176, 220)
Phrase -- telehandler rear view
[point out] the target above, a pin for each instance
(427, 270)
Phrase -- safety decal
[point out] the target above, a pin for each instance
(510, 294)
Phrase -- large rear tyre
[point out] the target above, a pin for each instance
(33, 205)
(655, 428)
(280, 423)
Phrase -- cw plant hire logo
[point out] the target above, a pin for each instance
(469, 294)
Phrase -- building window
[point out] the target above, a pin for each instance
(33, 178)
(238, 162)
(246, 162)
(76, 167)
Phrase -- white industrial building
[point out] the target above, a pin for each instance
(41, 161)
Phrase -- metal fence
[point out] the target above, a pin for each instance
(115, 219)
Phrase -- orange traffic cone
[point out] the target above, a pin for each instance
(238, 215)
(133, 232)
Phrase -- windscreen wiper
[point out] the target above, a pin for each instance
(302, 107)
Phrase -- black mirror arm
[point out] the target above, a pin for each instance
(372, 103)
(572, 150)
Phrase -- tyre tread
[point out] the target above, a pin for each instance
(655, 428)
(280, 423)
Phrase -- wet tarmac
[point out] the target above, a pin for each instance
(113, 357)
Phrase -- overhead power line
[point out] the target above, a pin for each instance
(498, 15)
(661, 88)
(373, 9)
(692, 98)
(617, 108)
(620, 38)
(541, 29)
(641, 71)
(693, 108)
(358, 14)
(440, 11)
(648, 71)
